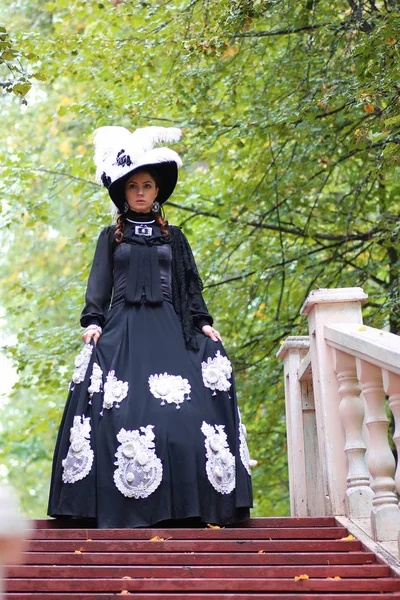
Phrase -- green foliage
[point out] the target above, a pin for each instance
(290, 114)
(17, 79)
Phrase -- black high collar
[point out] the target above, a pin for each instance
(137, 217)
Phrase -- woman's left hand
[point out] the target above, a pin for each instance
(211, 333)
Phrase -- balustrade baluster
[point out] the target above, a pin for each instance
(391, 385)
(385, 515)
(359, 494)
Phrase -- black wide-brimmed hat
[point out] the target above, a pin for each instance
(119, 153)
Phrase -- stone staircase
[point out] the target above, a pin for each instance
(284, 558)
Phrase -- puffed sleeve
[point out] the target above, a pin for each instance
(100, 282)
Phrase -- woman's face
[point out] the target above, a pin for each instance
(141, 191)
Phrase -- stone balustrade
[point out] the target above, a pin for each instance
(341, 383)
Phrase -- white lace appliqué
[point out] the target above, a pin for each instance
(243, 448)
(81, 363)
(79, 459)
(216, 372)
(220, 465)
(96, 381)
(114, 391)
(139, 471)
(169, 388)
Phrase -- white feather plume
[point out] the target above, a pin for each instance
(147, 137)
(110, 140)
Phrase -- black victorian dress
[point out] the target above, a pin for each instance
(151, 430)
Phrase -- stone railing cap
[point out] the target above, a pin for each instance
(292, 342)
(333, 296)
(11, 522)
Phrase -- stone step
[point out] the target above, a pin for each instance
(77, 585)
(208, 596)
(200, 558)
(283, 533)
(185, 571)
(215, 545)
(251, 523)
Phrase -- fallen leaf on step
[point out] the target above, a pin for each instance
(89, 540)
(260, 552)
(156, 538)
(301, 577)
(78, 552)
(213, 526)
(362, 328)
(124, 592)
(349, 538)
(126, 577)
(334, 578)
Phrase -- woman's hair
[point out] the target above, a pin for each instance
(158, 216)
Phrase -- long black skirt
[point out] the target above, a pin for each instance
(151, 431)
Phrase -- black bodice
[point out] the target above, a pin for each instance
(123, 256)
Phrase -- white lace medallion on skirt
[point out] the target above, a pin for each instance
(96, 380)
(216, 373)
(243, 448)
(139, 471)
(79, 459)
(114, 391)
(81, 363)
(169, 388)
(220, 465)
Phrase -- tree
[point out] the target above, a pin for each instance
(290, 117)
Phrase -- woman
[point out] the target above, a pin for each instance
(151, 430)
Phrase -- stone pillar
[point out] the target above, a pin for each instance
(303, 459)
(326, 307)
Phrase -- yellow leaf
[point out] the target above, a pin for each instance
(78, 552)
(156, 538)
(125, 592)
(260, 552)
(362, 328)
(65, 148)
(369, 108)
(301, 577)
(349, 538)
(390, 41)
(213, 526)
(336, 578)
(231, 51)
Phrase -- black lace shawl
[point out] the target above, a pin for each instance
(186, 289)
(187, 285)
